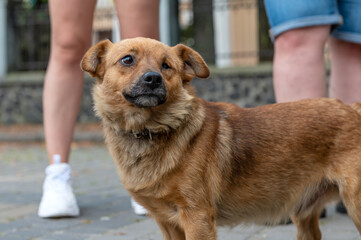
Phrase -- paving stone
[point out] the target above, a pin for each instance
(62, 236)
(13, 238)
(10, 212)
(29, 233)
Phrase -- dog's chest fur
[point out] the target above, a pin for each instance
(145, 160)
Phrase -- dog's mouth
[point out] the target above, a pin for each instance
(149, 91)
(146, 100)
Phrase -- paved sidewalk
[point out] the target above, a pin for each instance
(105, 206)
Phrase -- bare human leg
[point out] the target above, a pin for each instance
(299, 68)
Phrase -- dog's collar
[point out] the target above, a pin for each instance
(143, 134)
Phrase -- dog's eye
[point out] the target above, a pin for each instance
(127, 60)
(165, 66)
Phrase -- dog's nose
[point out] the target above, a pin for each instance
(152, 79)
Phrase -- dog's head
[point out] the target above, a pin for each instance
(141, 72)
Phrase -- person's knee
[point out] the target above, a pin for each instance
(302, 39)
(341, 48)
(69, 50)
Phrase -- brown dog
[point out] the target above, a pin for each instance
(194, 164)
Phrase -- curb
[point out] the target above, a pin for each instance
(35, 133)
(39, 137)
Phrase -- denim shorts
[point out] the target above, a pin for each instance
(343, 15)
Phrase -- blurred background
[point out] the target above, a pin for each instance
(231, 35)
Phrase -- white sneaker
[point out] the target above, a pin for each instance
(58, 199)
(137, 208)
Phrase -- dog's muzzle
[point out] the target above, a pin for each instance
(149, 91)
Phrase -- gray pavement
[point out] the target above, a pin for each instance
(105, 205)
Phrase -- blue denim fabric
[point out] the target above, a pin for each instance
(343, 15)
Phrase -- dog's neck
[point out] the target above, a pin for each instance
(143, 134)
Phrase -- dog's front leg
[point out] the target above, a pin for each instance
(170, 231)
(199, 224)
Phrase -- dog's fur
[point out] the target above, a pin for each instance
(194, 164)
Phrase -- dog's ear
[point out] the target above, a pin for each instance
(194, 65)
(93, 60)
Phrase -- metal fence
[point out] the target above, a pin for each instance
(28, 38)
(29, 32)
